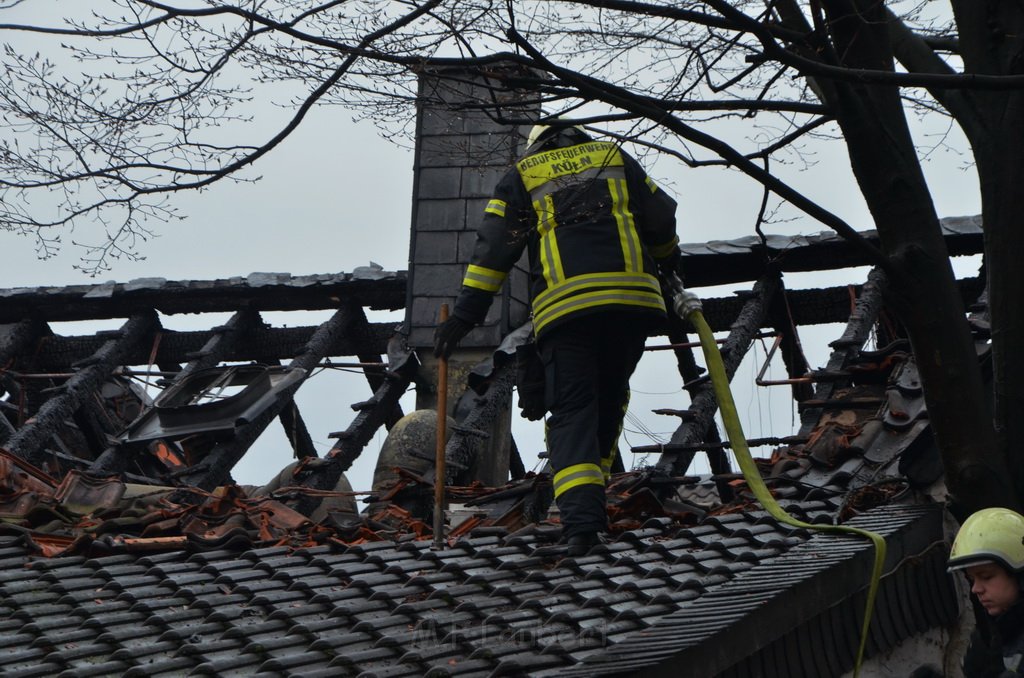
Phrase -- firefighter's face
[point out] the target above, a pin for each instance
(997, 589)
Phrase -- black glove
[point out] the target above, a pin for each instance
(530, 383)
(670, 264)
(449, 334)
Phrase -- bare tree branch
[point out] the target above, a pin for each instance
(624, 99)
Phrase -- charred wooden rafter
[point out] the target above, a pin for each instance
(221, 342)
(704, 264)
(15, 341)
(792, 353)
(516, 468)
(297, 432)
(858, 328)
(17, 337)
(268, 345)
(373, 413)
(116, 459)
(700, 415)
(28, 442)
(216, 466)
(259, 344)
(812, 306)
(295, 429)
(362, 333)
(467, 436)
(721, 262)
(690, 372)
(89, 419)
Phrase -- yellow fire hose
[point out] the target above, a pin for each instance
(687, 305)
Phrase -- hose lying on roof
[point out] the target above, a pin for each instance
(688, 306)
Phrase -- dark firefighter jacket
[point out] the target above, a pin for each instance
(593, 223)
(998, 652)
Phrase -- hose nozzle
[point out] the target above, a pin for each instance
(684, 302)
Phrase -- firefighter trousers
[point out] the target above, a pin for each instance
(587, 365)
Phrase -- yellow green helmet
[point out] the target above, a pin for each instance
(992, 535)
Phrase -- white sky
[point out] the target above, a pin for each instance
(336, 196)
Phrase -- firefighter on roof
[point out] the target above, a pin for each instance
(597, 229)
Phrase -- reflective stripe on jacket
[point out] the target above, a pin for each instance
(593, 224)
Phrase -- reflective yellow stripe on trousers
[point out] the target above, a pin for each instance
(609, 459)
(576, 475)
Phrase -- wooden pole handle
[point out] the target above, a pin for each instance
(439, 461)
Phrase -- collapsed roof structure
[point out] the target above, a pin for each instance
(126, 550)
(190, 579)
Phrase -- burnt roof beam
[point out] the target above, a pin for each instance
(16, 338)
(28, 442)
(215, 468)
(361, 328)
(261, 344)
(222, 341)
(297, 432)
(468, 436)
(115, 459)
(792, 352)
(810, 306)
(89, 420)
(267, 345)
(705, 264)
(690, 372)
(703, 404)
(325, 473)
(13, 340)
(858, 329)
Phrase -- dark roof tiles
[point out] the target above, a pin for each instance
(481, 607)
(529, 617)
(394, 671)
(463, 667)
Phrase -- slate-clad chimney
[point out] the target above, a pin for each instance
(461, 153)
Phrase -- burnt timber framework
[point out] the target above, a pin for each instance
(56, 411)
(697, 581)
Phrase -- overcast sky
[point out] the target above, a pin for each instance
(336, 196)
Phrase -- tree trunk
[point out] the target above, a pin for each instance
(992, 42)
(886, 166)
(1001, 173)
